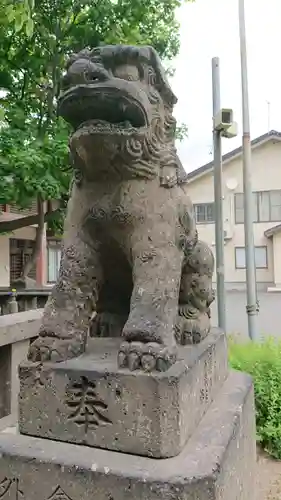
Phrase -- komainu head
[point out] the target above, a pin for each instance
(119, 103)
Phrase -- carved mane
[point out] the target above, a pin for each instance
(158, 147)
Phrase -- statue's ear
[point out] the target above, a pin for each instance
(83, 54)
(162, 84)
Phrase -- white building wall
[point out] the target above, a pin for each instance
(266, 175)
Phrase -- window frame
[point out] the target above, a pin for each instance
(235, 208)
(244, 248)
(256, 194)
(55, 246)
(209, 203)
(20, 251)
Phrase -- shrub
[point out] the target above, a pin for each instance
(262, 360)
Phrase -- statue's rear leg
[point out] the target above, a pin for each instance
(107, 324)
(196, 295)
(111, 313)
(67, 313)
(113, 305)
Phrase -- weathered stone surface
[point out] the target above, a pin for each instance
(16, 331)
(218, 463)
(88, 400)
(130, 247)
(5, 380)
(19, 326)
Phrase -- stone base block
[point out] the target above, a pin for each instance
(89, 400)
(218, 462)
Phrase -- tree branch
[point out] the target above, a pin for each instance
(8, 226)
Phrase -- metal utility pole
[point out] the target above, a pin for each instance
(251, 307)
(218, 198)
(268, 116)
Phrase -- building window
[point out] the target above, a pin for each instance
(20, 253)
(54, 257)
(266, 206)
(239, 208)
(260, 258)
(204, 212)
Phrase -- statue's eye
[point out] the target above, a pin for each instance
(151, 76)
(127, 72)
(131, 78)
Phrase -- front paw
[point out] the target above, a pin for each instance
(55, 350)
(148, 357)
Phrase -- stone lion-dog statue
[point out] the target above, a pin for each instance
(130, 249)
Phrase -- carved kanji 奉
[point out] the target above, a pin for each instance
(86, 408)
(130, 248)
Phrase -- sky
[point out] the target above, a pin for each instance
(209, 28)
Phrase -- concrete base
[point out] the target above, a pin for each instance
(218, 462)
(90, 401)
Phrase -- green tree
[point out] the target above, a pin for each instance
(19, 13)
(36, 37)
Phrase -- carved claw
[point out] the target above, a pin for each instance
(55, 350)
(145, 356)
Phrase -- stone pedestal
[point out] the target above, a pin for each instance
(188, 433)
(217, 463)
(89, 400)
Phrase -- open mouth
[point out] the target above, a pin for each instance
(101, 108)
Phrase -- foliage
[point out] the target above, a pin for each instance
(19, 13)
(181, 132)
(36, 37)
(262, 360)
(32, 167)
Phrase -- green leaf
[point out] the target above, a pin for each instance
(34, 142)
(181, 132)
(2, 114)
(29, 27)
(10, 13)
(18, 21)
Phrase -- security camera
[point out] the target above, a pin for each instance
(231, 131)
(223, 119)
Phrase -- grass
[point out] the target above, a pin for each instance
(262, 360)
